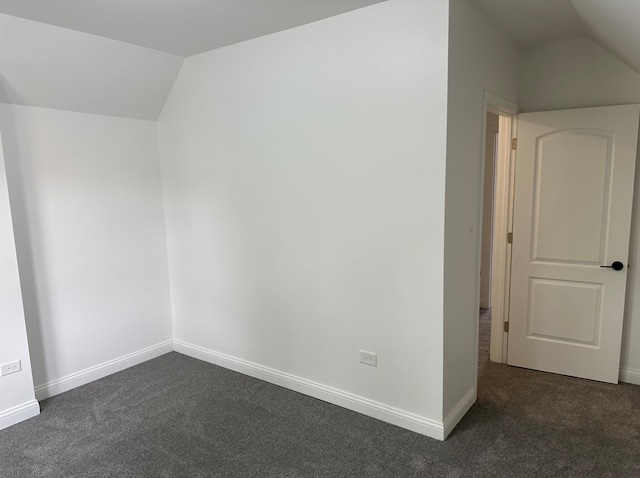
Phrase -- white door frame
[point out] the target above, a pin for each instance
(502, 219)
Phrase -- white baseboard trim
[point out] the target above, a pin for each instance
(18, 414)
(401, 418)
(459, 411)
(88, 375)
(629, 375)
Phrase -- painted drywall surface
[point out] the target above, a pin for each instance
(87, 208)
(53, 67)
(579, 74)
(303, 177)
(15, 389)
(480, 58)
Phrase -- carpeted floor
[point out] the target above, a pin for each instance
(178, 417)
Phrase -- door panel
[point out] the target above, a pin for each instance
(564, 311)
(572, 214)
(571, 178)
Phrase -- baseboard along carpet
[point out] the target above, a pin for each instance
(175, 416)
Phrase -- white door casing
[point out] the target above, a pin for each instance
(572, 214)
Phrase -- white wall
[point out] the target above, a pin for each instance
(303, 175)
(87, 210)
(578, 74)
(480, 58)
(17, 400)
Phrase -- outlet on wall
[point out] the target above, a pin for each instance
(368, 358)
(9, 368)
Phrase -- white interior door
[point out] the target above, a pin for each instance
(572, 215)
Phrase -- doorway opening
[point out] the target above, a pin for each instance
(491, 143)
(496, 201)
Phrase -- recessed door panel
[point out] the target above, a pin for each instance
(565, 311)
(571, 196)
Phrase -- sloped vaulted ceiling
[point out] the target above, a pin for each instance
(533, 22)
(616, 25)
(121, 57)
(182, 27)
(52, 67)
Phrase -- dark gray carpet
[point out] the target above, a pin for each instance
(178, 417)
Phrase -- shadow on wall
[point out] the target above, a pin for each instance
(28, 246)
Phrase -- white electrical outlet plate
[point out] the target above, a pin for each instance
(368, 358)
(9, 368)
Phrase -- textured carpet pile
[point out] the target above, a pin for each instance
(179, 417)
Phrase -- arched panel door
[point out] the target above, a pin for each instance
(571, 225)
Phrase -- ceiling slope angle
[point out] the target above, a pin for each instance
(616, 25)
(181, 27)
(534, 22)
(52, 67)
